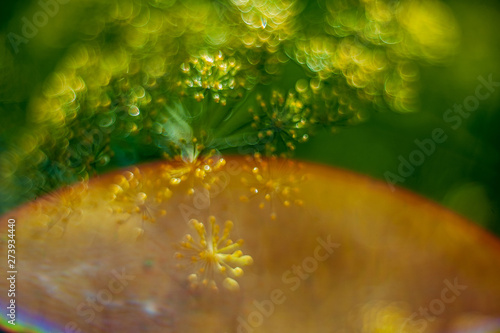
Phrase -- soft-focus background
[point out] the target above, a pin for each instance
(462, 174)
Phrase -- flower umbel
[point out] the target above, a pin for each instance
(215, 257)
(273, 181)
(198, 172)
(133, 194)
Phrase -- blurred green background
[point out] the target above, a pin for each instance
(462, 174)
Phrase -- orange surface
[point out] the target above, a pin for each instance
(392, 255)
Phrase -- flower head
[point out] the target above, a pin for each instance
(216, 257)
(273, 181)
(133, 193)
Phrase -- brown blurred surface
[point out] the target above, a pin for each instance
(395, 255)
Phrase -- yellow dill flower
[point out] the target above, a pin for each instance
(273, 180)
(281, 122)
(63, 206)
(197, 172)
(211, 72)
(133, 193)
(215, 257)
